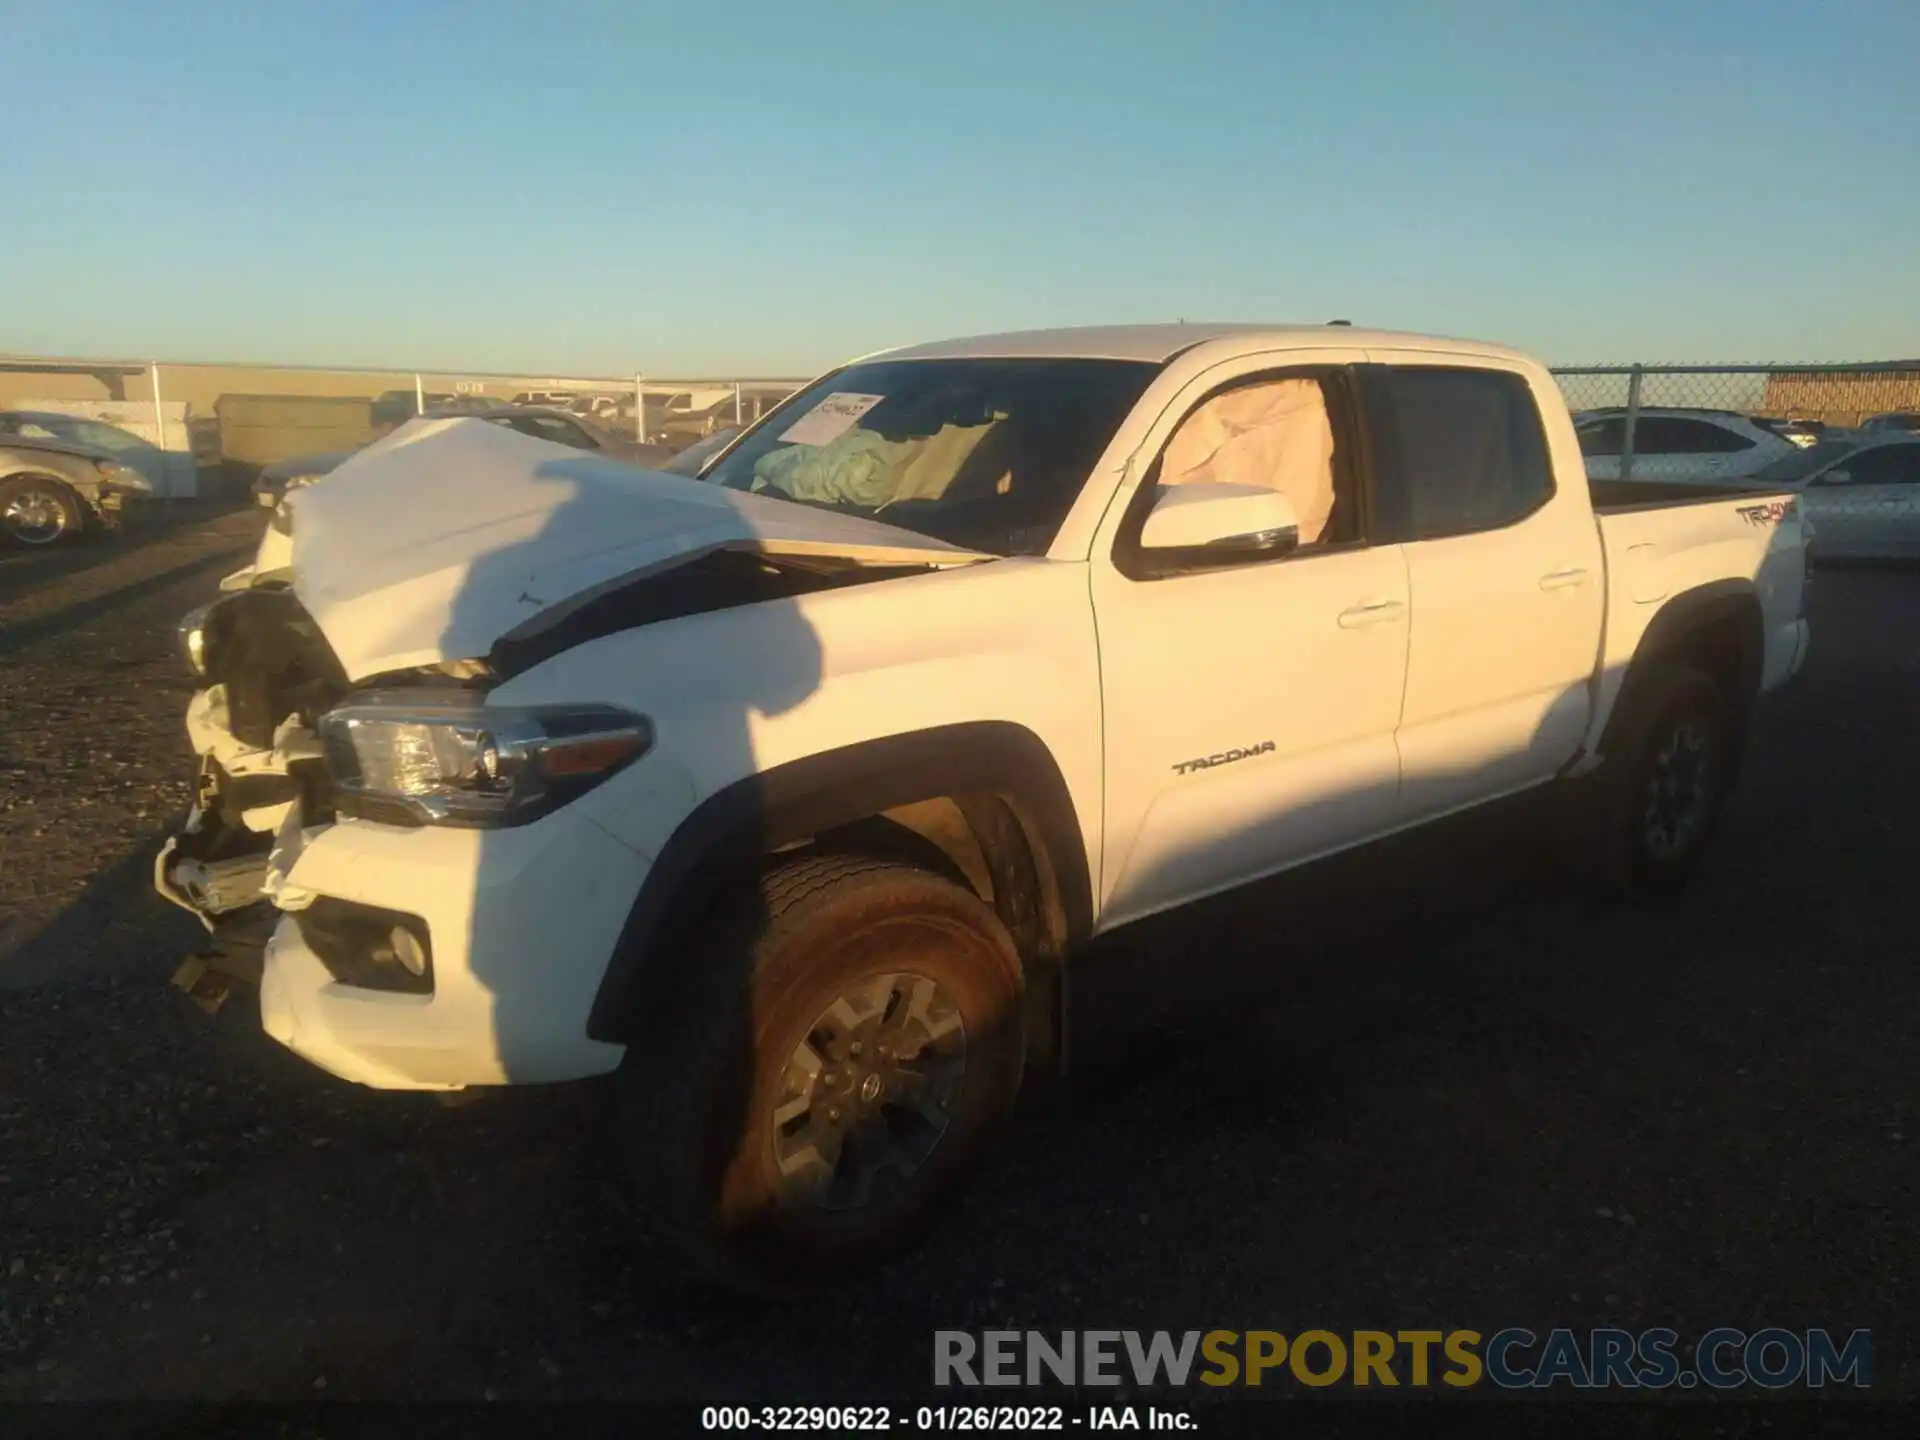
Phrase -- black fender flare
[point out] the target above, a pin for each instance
(735, 827)
(1725, 605)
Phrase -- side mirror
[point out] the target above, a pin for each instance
(1221, 520)
(1836, 477)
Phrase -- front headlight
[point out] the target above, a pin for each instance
(427, 758)
(123, 477)
(192, 634)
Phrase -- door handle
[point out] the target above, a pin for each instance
(1562, 579)
(1371, 612)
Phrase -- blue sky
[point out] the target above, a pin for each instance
(767, 188)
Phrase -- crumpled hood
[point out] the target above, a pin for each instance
(447, 535)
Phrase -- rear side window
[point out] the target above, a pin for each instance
(1455, 451)
(1667, 435)
(1601, 437)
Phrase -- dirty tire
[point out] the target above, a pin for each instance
(38, 510)
(1653, 806)
(735, 1176)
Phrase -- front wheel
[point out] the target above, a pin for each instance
(36, 510)
(850, 1039)
(1659, 796)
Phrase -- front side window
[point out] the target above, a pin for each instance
(988, 454)
(1275, 432)
(1884, 465)
(1456, 451)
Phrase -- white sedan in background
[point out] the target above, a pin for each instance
(1863, 499)
(1679, 444)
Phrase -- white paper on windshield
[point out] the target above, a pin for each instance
(830, 419)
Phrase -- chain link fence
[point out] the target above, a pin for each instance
(210, 424)
(205, 429)
(1725, 422)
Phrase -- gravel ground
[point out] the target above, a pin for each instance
(1423, 1086)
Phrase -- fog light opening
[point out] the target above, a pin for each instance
(408, 950)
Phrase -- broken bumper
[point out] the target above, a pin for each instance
(519, 925)
(515, 929)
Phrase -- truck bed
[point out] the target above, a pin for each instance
(1616, 496)
(1662, 541)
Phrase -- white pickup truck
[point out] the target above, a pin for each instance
(790, 791)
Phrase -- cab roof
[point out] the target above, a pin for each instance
(1160, 343)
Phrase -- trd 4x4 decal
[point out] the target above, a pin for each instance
(1225, 757)
(1771, 513)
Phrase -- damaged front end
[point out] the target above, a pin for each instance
(267, 677)
(449, 558)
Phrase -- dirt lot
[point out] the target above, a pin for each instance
(1464, 1097)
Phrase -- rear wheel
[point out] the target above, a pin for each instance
(850, 1038)
(38, 510)
(1659, 796)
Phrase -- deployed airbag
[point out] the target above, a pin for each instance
(868, 471)
(1273, 434)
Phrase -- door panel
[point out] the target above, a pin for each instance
(1249, 722)
(1508, 635)
(1505, 572)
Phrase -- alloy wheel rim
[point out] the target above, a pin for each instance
(865, 1096)
(1677, 791)
(35, 518)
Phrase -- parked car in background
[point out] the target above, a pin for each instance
(600, 406)
(123, 445)
(464, 405)
(1902, 421)
(393, 408)
(693, 459)
(1678, 444)
(53, 489)
(1803, 433)
(1862, 501)
(563, 428)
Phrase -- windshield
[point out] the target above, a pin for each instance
(94, 433)
(986, 454)
(1802, 463)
